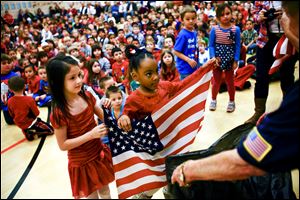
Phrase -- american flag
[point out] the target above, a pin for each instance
(282, 51)
(256, 145)
(139, 155)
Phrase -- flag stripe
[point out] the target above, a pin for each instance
(182, 94)
(183, 132)
(165, 129)
(199, 94)
(180, 144)
(136, 175)
(142, 181)
(149, 186)
(181, 127)
(136, 159)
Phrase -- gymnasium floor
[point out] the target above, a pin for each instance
(48, 177)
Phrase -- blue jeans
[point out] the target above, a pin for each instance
(252, 48)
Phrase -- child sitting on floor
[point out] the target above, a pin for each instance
(24, 111)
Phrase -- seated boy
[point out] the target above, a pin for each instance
(119, 68)
(42, 96)
(24, 111)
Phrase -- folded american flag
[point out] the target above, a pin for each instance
(139, 155)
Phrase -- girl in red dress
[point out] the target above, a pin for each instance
(90, 162)
(152, 91)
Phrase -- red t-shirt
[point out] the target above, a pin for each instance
(23, 110)
(33, 84)
(119, 70)
(139, 105)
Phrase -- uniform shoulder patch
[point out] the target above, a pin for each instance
(256, 145)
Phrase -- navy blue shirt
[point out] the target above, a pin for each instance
(273, 145)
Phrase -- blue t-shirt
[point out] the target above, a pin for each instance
(186, 43)
(4, 79)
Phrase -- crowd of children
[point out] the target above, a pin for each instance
(121, 56)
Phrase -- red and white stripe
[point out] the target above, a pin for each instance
(282, 51)
(222, 37)
(177, 123)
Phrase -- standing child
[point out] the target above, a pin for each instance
(168, 70)
(185, 47)
(116, 96)
(42, 96)
(105, 83)
(203, 52)
(24, 111)
(90, 163)
(224, 42)
(152, 91)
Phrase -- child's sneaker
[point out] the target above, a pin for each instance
(29, 134)
(213, 105)
(231, 106)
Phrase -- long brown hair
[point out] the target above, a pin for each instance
(164, 67)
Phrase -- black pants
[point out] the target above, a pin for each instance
(264, 61)
(8, 119)
(287, 70)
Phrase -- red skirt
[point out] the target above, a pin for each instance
(92, 175)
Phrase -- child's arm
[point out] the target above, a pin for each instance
(190, 61)
(209, 65)
(99, 111)
(237, 47)
(35, 110)
(67, 144)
